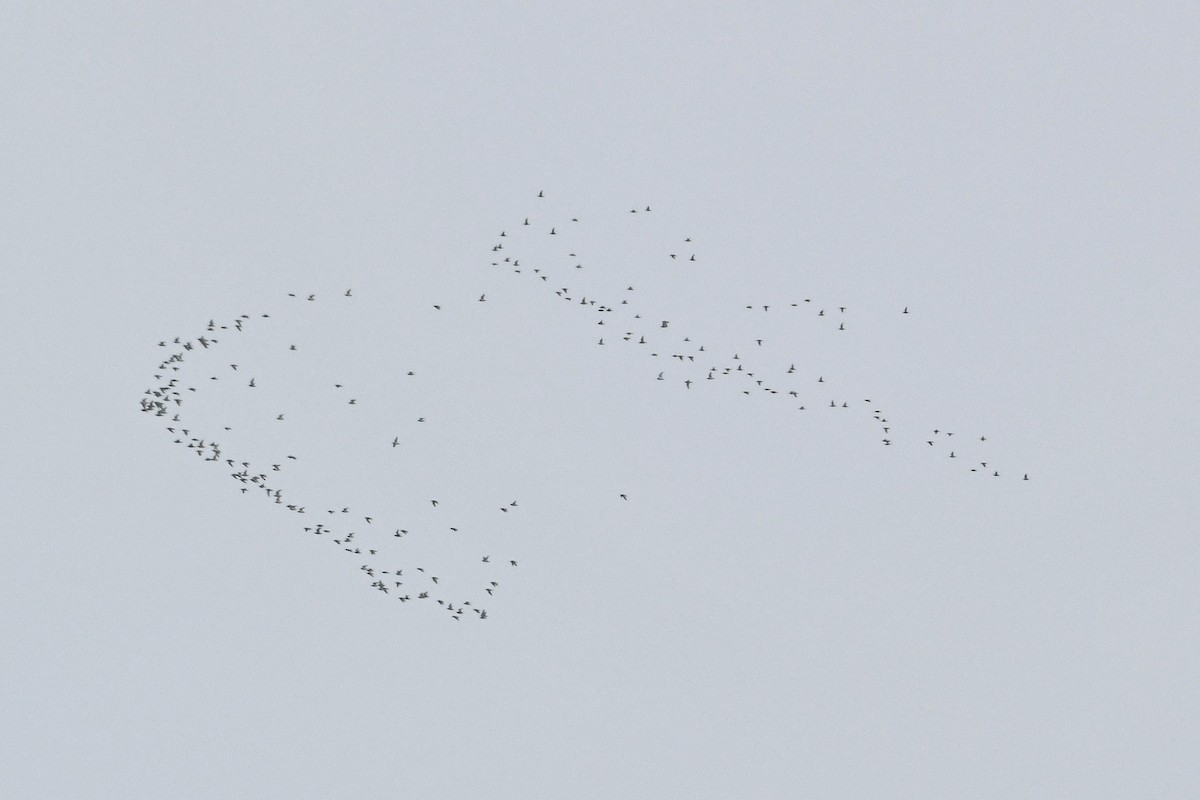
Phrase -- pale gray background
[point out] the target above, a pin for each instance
(781, 610)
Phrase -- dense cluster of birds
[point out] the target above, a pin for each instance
(677, 359)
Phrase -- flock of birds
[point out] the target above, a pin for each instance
(676, 358)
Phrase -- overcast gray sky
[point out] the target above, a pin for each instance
(784, 606)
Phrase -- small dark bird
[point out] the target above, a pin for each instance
(347, 293)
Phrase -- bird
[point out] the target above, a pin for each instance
(395, 441)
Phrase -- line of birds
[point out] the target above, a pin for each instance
(166, 399)
(688, 364)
